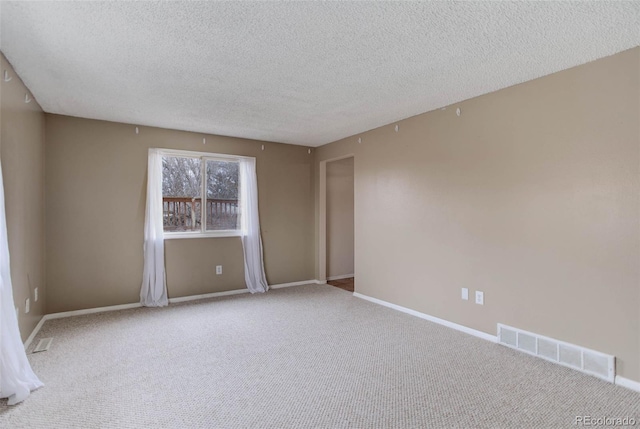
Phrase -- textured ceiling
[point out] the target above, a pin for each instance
(301, 73)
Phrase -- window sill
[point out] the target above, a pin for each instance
(198, 234)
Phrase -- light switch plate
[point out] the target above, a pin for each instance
(35, 294)
(27, 304)
(465, 293)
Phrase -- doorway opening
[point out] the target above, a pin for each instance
(340, 228)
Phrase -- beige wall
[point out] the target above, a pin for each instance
(531, 195)
(95, 199)
(22, 155)
(340, 227)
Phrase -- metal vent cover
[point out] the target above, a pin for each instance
(43, 345)
(573, 356)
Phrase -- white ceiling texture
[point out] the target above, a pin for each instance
(292, 72)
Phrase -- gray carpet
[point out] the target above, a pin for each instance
(303, 357)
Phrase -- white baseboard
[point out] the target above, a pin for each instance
(629, 384)
(306, 282)
(29, 340)
(345, 276)
(433, 319)
(236, 292)
(207, 295)
(60, 315)
(91, 311)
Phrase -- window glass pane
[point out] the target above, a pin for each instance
(181, 185)
(222, 195)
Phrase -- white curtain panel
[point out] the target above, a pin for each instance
(154, 285)
(250, 227)
(17, 380)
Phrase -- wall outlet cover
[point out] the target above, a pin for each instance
(218, 269)
(479, 297)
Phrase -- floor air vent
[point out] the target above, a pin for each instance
(576, 357)
(43, 345)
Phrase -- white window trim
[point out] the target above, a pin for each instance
(205, 156)
(196, 154)
(200, 234)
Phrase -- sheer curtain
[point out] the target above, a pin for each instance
(250, 227)
(17, 380)
(154, 285)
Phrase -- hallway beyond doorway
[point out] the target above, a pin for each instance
(345, 284)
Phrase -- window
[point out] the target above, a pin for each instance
(186, 178)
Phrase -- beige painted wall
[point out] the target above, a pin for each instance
(531, 195)
(340, 227)
(22, 155)
(95, 199)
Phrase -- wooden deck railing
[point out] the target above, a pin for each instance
(184, 214)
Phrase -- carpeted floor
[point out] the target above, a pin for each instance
(302, 357)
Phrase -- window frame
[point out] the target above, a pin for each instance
(204, 157)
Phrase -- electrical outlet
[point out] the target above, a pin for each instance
(218, 269)
(465, 293)
(27, 303)
(479, 297)
(35, 295)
